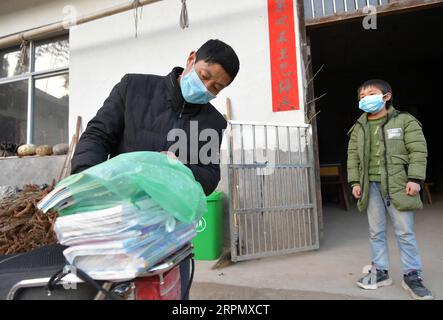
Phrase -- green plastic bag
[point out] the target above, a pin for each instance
(133, 176)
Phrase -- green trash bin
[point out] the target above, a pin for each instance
(209, 240)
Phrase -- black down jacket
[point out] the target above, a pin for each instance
(137, 116)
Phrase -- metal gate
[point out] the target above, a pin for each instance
(273, 199)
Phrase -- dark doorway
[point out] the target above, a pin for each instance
(406, 50)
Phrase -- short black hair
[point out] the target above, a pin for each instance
(381, 85)
(216, 51)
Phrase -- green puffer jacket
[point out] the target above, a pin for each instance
(403, 158)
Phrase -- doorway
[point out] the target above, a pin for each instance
(407, 51)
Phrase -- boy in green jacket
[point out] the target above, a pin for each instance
(386, 167)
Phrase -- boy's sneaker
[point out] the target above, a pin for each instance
(374, 279)
(413, 283)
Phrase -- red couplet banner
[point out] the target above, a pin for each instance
(285, 94)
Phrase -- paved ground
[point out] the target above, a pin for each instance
(331, 272)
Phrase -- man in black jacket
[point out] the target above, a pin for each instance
(142, 110)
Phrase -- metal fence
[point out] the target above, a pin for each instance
(323, 8)
(272, 203)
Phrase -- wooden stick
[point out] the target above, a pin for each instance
(228, 109)
(65, 162)
(77, 128)
(228, 118)
(71, 150)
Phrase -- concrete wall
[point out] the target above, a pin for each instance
(18, 172)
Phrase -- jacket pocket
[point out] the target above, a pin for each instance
(398, 172)
(400, 159)
(398, 181)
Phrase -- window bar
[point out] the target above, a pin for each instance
(367, 3)
(265, 196)
(356, 4)
(323, 7)
(29, 121)
(266, 141)
(254, 160)
(277, 145)
(313, 8)
(242, 150)
(289, 145)
(334, 6)
(29, 124)
(345, 3)
(246, 232)
(49, 73)
(287, 214)
(259, 214)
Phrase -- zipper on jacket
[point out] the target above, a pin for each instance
(183, 108)
(388, 197)
(364, 149)
(176, 124)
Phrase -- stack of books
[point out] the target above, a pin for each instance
(111, 237)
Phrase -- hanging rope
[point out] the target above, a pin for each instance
(136, 5)
(24, 52)
(184, 19)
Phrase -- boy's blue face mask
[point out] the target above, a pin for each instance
(372, 104)
(194, 90)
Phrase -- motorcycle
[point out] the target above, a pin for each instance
(43, 274)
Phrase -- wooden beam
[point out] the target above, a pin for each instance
(394, 7)
(61, 26)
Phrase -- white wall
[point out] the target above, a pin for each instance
(103, 51)
(20, 15)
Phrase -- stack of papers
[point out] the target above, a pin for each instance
(122, 241)
(78, 192)
(123, 216)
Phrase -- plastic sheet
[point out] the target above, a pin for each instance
(123, 216)
(128, 178)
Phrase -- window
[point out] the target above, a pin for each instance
(34, 92)
(51, 55)
(13, 62)
(13, 111)
(316, 9)
(51, 110)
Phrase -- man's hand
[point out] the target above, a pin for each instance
(412, 188)
(169, 154)
(356, 191)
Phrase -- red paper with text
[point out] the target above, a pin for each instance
(285, 94)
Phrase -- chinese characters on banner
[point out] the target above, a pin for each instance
(285, 95)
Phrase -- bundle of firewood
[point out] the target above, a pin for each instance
(22, 226)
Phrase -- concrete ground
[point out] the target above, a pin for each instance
(331, 272)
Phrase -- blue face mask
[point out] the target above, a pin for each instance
(194, 90)
(372, 104)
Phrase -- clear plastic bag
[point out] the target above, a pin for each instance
(120, 220)
(126, 214)
(128, 178)
(116, 259)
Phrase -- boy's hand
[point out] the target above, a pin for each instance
(356, 192)
(412, 188)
